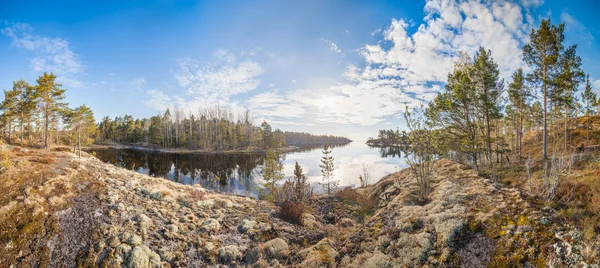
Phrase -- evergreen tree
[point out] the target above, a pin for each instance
(567, 81)
(302, 188)
(542, 54)
(517, 95)
(453, 110)
(272, 174)
(589, 99)
(9, 111)
(267, 135)
(50, 94)
(328, 183)
(485, 73)
(81, 121)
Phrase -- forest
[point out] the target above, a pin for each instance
(35, 115)
(212, 128)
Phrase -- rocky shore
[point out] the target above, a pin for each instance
(60, 211)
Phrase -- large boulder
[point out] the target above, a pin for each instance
(143, 257)
(276, 248)
(230, 253)
(210, 225)
(246, 225)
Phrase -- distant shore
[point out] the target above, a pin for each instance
(183, 150)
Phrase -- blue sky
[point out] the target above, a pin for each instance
(334, 67)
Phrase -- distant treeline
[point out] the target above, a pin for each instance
(299, 138)
(389, 137)
(213, 128)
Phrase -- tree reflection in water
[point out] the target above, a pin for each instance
(389, 151)
(231, 173)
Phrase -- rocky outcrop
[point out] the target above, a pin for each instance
(70, 212)
(466, 221)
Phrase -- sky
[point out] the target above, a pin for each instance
(320, 66)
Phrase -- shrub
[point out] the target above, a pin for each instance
(348, 195)
(291, 212)
(366, 204)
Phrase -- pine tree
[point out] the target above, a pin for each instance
(589, 99)
(567, 81)
(454, 111)
(50, 94)
(542, 53)
(517, 95)
(272, 174)
(81, 121)
(302, 188)
(485, 73)
(25, 103)
(328, 183)
(9, 111)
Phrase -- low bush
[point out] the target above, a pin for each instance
(291, 212)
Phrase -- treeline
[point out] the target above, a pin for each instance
(211, 128)
(474, 120)
(298, 138)
(36, 115)
(388, 137)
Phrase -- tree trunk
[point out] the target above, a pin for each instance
(79, 140)
(46, 131)
(545, 117)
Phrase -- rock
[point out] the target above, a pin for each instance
(226, 203)
(377, 260)
(330, 218)
(206, 204)
(230, 253)
(246, 225)
(210, 225)
(114, 241)
(206, 248)
(251, 256)
(172, 228)
(138, 258)
(123, 251)
(346, 222)
(320, 255)
(310, 222)
(134, 240)
(276, 248)
(144, 221)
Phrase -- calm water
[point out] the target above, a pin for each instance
(238, 173)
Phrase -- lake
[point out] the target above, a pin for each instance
(238, 173)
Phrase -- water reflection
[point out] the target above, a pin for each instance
(232, 173)
(239, 173)
(390, 151)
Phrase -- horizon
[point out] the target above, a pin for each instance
(333, 68)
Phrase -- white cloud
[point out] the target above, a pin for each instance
(219, 79)
(270, 104)
(158, 100)
(331, 46)
(410, 66)
(138, 82)
(50, 54)
(532, 3)
(596, 85)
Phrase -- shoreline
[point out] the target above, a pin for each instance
(182, 150)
